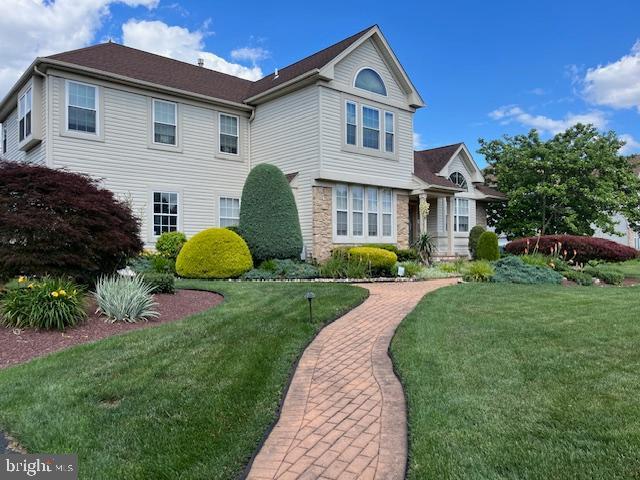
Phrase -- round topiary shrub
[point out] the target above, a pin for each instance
(59, 223)
(169, 244)
(214, 253)
(488, 247)
(379, 260)
(474, 236)
(268, 215)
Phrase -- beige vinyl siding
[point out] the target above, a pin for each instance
(37, 154)
(132, 170)
(337, 158)
(367, 55)
(285, 133)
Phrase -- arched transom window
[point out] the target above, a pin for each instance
(368, 79)
(458, 179)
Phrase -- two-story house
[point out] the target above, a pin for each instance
(178, 140)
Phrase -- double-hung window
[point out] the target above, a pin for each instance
(372, 211)
(82, 107)
(24, 114)
(357, 210)
(165, 122)
(4, 139)
(461, 215)
(165, 212)
(228, 134)
(387, 213)
(371, 128)
(342, 210)
(229, 211)
(388, 132)
(352, 123)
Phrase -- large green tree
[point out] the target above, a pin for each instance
(570, 184)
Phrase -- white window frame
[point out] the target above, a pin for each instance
(97, 110)
(4, 139)
(392, 132)
(22, 114)
(380, 212)
(220, 217)
(153, 122)
(346, 123)
(361, 211)
(220, 115)
(375, 212)
(456, 214)
(355, 79)
(637, 240)
(380, 125)
(178, 213)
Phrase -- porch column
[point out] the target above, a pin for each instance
(423, 211)
(450, 202)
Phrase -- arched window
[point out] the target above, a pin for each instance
(368, 79)
(458, 179)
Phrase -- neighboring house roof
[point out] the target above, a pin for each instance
(308, 64)
(148, 67)
(436, 158)
(490, 191)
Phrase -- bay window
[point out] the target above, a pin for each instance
(165, 122)
(82, 107)
(363, 214)
(24, 114)
(461, 215)
(371, 128)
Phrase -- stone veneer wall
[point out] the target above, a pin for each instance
(402, 220)
(323, 224)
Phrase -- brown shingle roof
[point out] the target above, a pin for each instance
(489, 191)
(139, 65)
(148, 67)
(312, 62)
(426, 163)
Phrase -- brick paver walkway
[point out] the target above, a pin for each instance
(344, 416)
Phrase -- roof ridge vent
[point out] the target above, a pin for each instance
(201, 62)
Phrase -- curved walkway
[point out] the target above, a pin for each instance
(344, 415)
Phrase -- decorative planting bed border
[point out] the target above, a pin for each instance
(341, 280)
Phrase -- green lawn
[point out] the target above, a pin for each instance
(185, 400)
(630, 269)
(523, 382)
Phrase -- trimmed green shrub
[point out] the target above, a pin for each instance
(581, 278)
(49, 303)
(378, 260)
(407, 255)
(160, 282)
(268, 215)
(124, 299)
(169, 244)
(214, 253)
(474, 236)
(288, 269)
(384, 246)
(609, 277)
(258, 274)
(478, 271)
(513, 270)
(488, 247)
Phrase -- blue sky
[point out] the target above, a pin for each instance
(483, 68)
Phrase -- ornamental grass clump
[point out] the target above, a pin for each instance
(478, 271)
(125, 299)
(48, 303)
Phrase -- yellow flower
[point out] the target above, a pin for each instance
(54, 294)
(22, 279)
(31, 285)
(62, 292)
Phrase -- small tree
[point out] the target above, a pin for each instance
(54, 222)
(425, 245)
(488, 247)
(474, 236)
(571, 184)
(268, 215)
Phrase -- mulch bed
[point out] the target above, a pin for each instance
(18, 346)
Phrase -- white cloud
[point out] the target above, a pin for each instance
(29, 29)
(617, 84)
(538, 91)
(253, 54)
(632, 145)
(513, 113)
(418, 144)
(181, 44)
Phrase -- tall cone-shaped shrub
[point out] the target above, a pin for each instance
(268, 215)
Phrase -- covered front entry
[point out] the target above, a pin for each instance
(437, 214)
